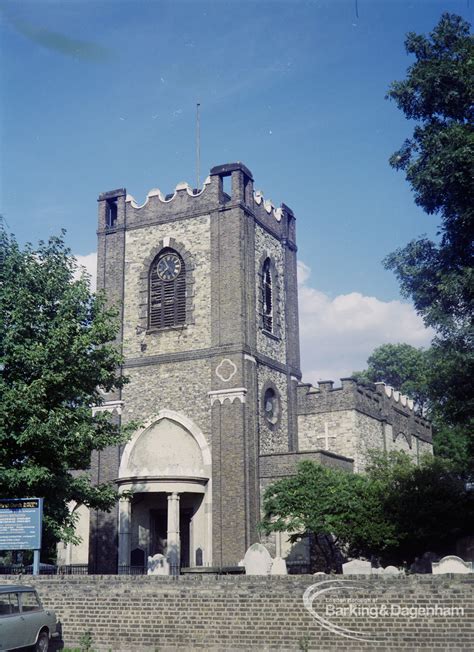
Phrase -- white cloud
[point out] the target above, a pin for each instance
(89, 263)
(338, 334)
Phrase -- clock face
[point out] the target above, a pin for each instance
(168, 267)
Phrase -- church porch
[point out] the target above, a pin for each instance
(166, 518)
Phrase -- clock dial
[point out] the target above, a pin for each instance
(168, 267)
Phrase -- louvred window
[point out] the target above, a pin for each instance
(167, 286)
(267, 296)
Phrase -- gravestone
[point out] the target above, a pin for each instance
(158, 565)
(257, 560)
(279, 567)
(357, 567)
(451, 564)
(391, 570)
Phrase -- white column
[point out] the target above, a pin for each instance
(173, 542)
(278, 544)
(124, 531)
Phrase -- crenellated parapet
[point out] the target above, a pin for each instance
(167, 198)
(379, 401)
(119, 210)
(267, 205)
(279, 220)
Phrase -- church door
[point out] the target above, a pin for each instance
(158, 531)
(184, 527)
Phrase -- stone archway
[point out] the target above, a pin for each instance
(166, 465)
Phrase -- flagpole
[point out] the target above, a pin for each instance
(198, 145)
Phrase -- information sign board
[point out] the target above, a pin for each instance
(20, 523)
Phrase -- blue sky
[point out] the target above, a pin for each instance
(100, 95)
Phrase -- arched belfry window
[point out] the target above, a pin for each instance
(267, 296)
(167, 290)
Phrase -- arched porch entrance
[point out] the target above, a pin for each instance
(165, 479)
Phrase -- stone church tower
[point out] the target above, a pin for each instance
(206, 284)
(206, 281)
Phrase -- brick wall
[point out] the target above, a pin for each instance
(279, 465)
(145, 614)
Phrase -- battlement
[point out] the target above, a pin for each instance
(117, 208)
(377, 400)
(380, 388)
(156, 192)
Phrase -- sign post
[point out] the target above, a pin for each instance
(20, 526)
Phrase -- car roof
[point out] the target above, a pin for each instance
(9, 588)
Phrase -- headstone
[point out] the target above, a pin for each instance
(279, 567)
(158, 565)
(451, 564)
(357, 567)
(391, 570)
(257, 560)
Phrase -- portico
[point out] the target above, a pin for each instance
(165, 484)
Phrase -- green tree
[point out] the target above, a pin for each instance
(335, 508)
(402, 366)
(438, 160)
(56, 351)
(421, 374)
(394, 511)
(428, 504)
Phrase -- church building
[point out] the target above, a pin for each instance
(207, 288)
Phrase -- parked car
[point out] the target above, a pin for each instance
(23, 620)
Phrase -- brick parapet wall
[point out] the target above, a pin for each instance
(279, 465)
(227, 613)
